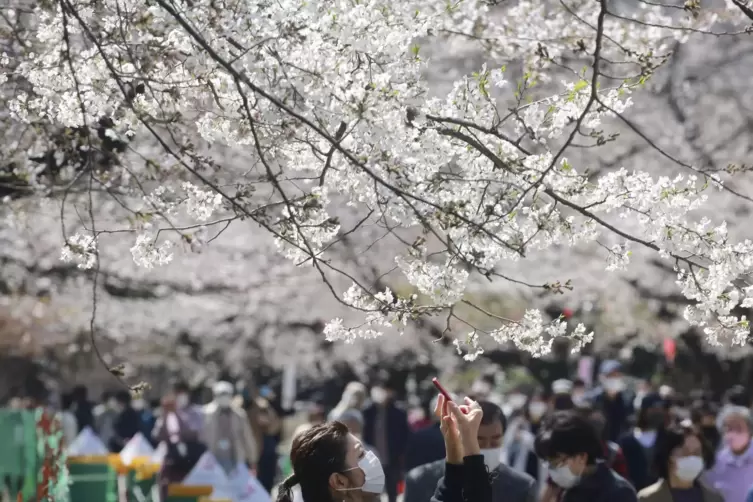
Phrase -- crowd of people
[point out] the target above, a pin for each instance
(237, 426)
(565, 443)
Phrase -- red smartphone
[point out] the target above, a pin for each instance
(441, 389)
(446, 394)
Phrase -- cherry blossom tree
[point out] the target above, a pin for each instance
(171, 127)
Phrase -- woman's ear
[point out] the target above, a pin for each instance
(338, 481)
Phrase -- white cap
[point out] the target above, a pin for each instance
(562, 386)
(222, 388)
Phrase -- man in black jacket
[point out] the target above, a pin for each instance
(507, 485)
(571, 446)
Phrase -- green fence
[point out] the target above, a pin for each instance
(22, 453)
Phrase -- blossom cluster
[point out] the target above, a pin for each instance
(331, 100)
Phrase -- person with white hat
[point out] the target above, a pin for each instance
(562, 386)
(227, 431)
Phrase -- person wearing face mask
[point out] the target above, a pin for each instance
(127, 421)
(179, 428)
(146, 416)
(579, 393)
(518, 441)
(572, 450)
(507, 484)
(513, 403)
(386, 427)
(679, 461)
(732, 473)
(105, 414)
(331, 465)
(227, 431)
(638, 445)
(611, 397)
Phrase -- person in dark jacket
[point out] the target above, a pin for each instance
(466, 478)
(386, 428)
(82, 408)
(703, 414)
(331, 465)
(425, 446)
(571, 446)
(507, 484)
(638, 445)
(127, 422)
(612, 399)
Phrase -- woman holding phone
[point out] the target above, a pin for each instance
(466, 478)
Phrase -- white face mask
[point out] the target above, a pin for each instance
(516, 401)
(181, 400)
(579, 398)
(378, 395)
(224, 401)
(138, 404)
(689, 468)
(373, 474)
(614, 384)
(647, 439)
(562, 476)
(492, 457)
(537, 409)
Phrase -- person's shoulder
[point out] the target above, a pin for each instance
(513, 479)
(432, 468)
(627, 441)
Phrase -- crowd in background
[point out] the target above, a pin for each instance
(654, 438)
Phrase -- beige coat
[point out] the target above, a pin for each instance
(659, 492)
(247, 449)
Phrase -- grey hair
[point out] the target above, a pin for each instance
(350, 415)
(737, 411)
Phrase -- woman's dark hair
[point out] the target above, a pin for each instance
(568, 433)
(316, 454)
(674, 437)
(652, 404)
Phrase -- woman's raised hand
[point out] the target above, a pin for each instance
(452, 442)
(459, 427)
(468, 419)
